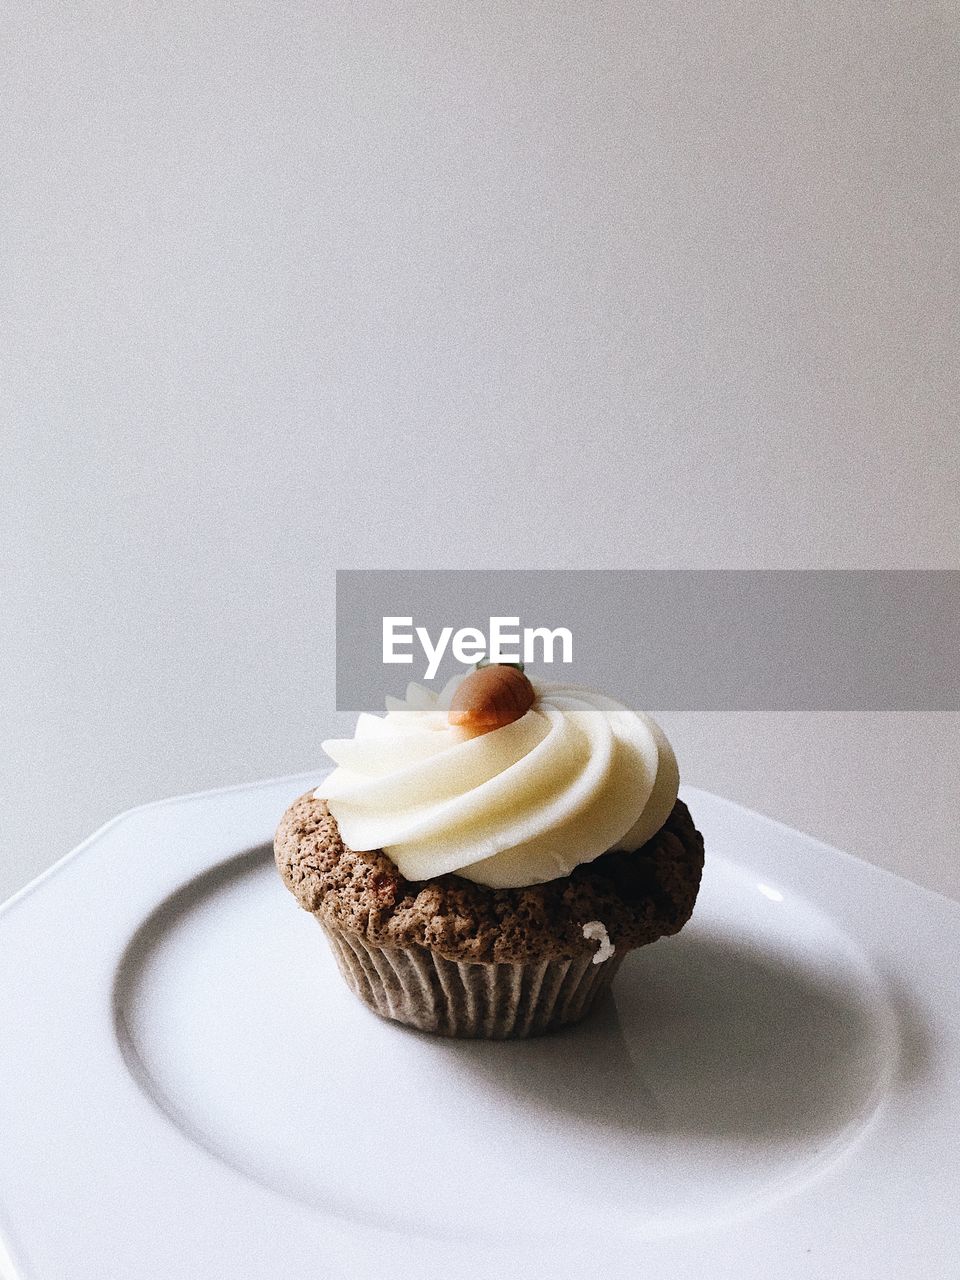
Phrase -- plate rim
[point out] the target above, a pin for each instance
(279, 780)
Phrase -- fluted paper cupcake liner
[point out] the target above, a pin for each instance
(475, 1001)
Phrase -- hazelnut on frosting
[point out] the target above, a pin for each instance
(574, 775)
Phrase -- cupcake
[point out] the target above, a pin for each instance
(482, 860)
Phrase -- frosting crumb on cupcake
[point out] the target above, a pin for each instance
(596, 931)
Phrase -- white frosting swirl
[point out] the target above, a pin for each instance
(574, 777)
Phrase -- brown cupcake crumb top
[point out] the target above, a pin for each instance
(638, 897)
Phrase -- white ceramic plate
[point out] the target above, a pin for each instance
(189, 1092)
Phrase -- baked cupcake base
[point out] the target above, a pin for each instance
(459, 959)
(473, 1001)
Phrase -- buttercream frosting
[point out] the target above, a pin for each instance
(577, 775)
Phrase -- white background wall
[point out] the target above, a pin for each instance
(293, 287)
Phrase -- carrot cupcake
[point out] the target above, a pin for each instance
(482, 860)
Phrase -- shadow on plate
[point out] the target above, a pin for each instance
(706, 1036)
